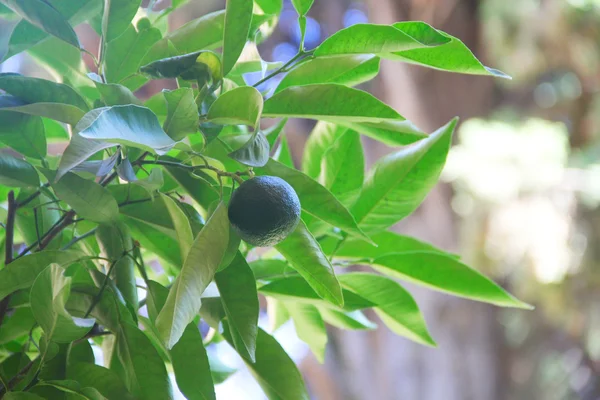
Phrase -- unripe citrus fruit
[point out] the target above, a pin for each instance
(264, 210)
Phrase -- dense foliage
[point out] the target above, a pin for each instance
(138, 201)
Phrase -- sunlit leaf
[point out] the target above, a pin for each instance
(238, 16)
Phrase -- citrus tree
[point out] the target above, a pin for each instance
(154, 233)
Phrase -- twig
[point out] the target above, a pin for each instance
(34, 195)
(9, 243)
(104, 284)
(282, 68)
(78, 238)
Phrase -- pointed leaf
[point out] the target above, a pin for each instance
(21, 273)
(182, 113)
(346, 70)
(374, 39)
(197, 272)
(314, 198)
(113, 94)
(48, 297)
(41, 14)
(343, 168)
(353, 320)
(297, 290)
(73, 388)
(359, 110)
(106, 381)
(387, 243)
(238, 16)
(451, 56)
(130, 125)
(117, 16)
(36, 90)
(302, 6)
(181, 225)
(57, 111)
(145, 372)
(188, 356)
(394, 305)
(23, 133)
(270, 269)
(398, 182)
(255, 152)
(240, 106)
(124, 54)
(17, 173)
(88, 199)
(305, 255)
(240, 300)
(309, 327)
(321, 139)
(274, 370)
(446, 274)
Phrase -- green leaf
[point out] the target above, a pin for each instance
(145, 372)
(113, 94)
(199, 65)
(274, 131)
(200, 190)
(36, 90)
(359, 110)
(115, 241)
(452, 56)
(298, 290)
(62, 59)
(16, 325)
(79, 148)
(240, 106)
(240, 300)
(255, 152)
(117, 16)
(21, 273)
(57, 111)
(398, 182)
(41, 14)
(88, 199)
(181, 225)
(321, 139)
(270, 6)
(302, 6)
(305, 255)
(269, 269)
(22, 396)
(48, 298)
(349, 70)
(74, 388)
(219, 371)
(182, 113)
(374, 39)
(130, 125)
(446, 274)
(238, 16)
(197, 272)
(124, 54)
(387, 243)
(342, 168)
(314, 198)
(25, 35)
(274, 370)
(394, 305)
(278, 313)
(17, 173)
(23, 133)
(157, 242)
(106, 381)
(352, 320)
(204, 33)
(188, 356)
(310, 327)
(283, 154)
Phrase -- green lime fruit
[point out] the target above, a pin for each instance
(264, 210)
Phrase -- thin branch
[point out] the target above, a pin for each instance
(9, 243)
(78, 238)
(282, 69)
(104, 284)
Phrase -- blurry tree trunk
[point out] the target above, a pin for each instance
(467, 365)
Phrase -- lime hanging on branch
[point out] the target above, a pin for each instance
(264, 210)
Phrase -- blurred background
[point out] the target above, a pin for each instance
(519, 202)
